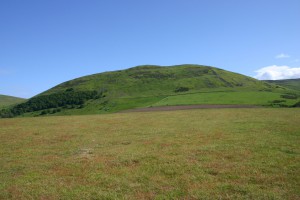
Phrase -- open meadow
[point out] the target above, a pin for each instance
(187, 154)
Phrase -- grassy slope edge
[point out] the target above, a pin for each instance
(288, 83)
(6, 100)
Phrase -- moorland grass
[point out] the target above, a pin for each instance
(188, 154)
(226, 97)
(288, 83)
(9, 100)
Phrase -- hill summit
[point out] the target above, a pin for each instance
(148, 80)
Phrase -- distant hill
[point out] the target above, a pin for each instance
(149, 86)
(9, 100)
(288, 83)
(154, 80)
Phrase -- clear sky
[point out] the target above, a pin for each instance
(46, 42)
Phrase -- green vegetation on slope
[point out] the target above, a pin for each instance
(9, 100)
(154, 81)
(288, 83)
(56, 100)
(195, 154)
(145, 86)
(229, 97)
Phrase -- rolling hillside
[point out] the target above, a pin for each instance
(9, 100)
(288, 83)
(156, 80)
(148, 86)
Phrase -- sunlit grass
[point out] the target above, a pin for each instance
(193, 154)
(226, 97)
(9, 100)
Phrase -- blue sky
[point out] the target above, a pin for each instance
(46, 42)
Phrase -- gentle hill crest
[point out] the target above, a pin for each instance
(6, 100)
(288, 83)
(150, 79)
(151, 85)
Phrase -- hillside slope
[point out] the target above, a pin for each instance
(156, 80)
(9, 100)
(147, 86)
(288, 83)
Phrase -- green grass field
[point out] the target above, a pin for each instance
(192, 154)
(226, 97)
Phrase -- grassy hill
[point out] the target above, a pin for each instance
(9, 100)
(148, 85)
(288, 83)
(156, 80)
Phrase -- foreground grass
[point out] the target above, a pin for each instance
(194, 154)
